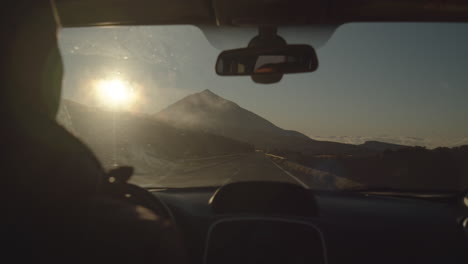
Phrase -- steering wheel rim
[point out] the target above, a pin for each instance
(138, 196)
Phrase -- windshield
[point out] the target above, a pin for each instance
(386, 108)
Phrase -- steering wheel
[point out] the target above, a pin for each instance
(117, 187)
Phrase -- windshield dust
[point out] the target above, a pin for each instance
(385, 109)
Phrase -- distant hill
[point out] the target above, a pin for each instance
(130, 138)
(382, 146)
(208, 112)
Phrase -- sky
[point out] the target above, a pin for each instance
(399, 83)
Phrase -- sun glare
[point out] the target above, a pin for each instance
(115, 93)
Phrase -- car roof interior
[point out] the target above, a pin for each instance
(79, 13)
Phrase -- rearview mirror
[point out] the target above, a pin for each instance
(276, 60)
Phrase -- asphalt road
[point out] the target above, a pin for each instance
(247, 167)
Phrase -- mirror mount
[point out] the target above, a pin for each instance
(267, 37)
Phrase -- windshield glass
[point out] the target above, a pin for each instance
(386, 108)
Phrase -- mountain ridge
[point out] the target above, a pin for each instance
(382, 146)
(207, 111)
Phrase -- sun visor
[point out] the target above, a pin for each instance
(80, 13)
(399, 10)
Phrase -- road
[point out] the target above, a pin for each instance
(246, 167)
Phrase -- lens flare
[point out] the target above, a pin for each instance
(115, 93)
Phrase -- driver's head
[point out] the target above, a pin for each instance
(31, 63)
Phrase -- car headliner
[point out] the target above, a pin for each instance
(75, 13)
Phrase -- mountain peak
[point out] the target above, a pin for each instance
(208, 91)
(208, 111)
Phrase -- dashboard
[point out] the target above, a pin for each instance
(334, 227)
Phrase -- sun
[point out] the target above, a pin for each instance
(115, 93)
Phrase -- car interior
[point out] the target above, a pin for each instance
(273, 221)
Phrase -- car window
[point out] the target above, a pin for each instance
(386, 108)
